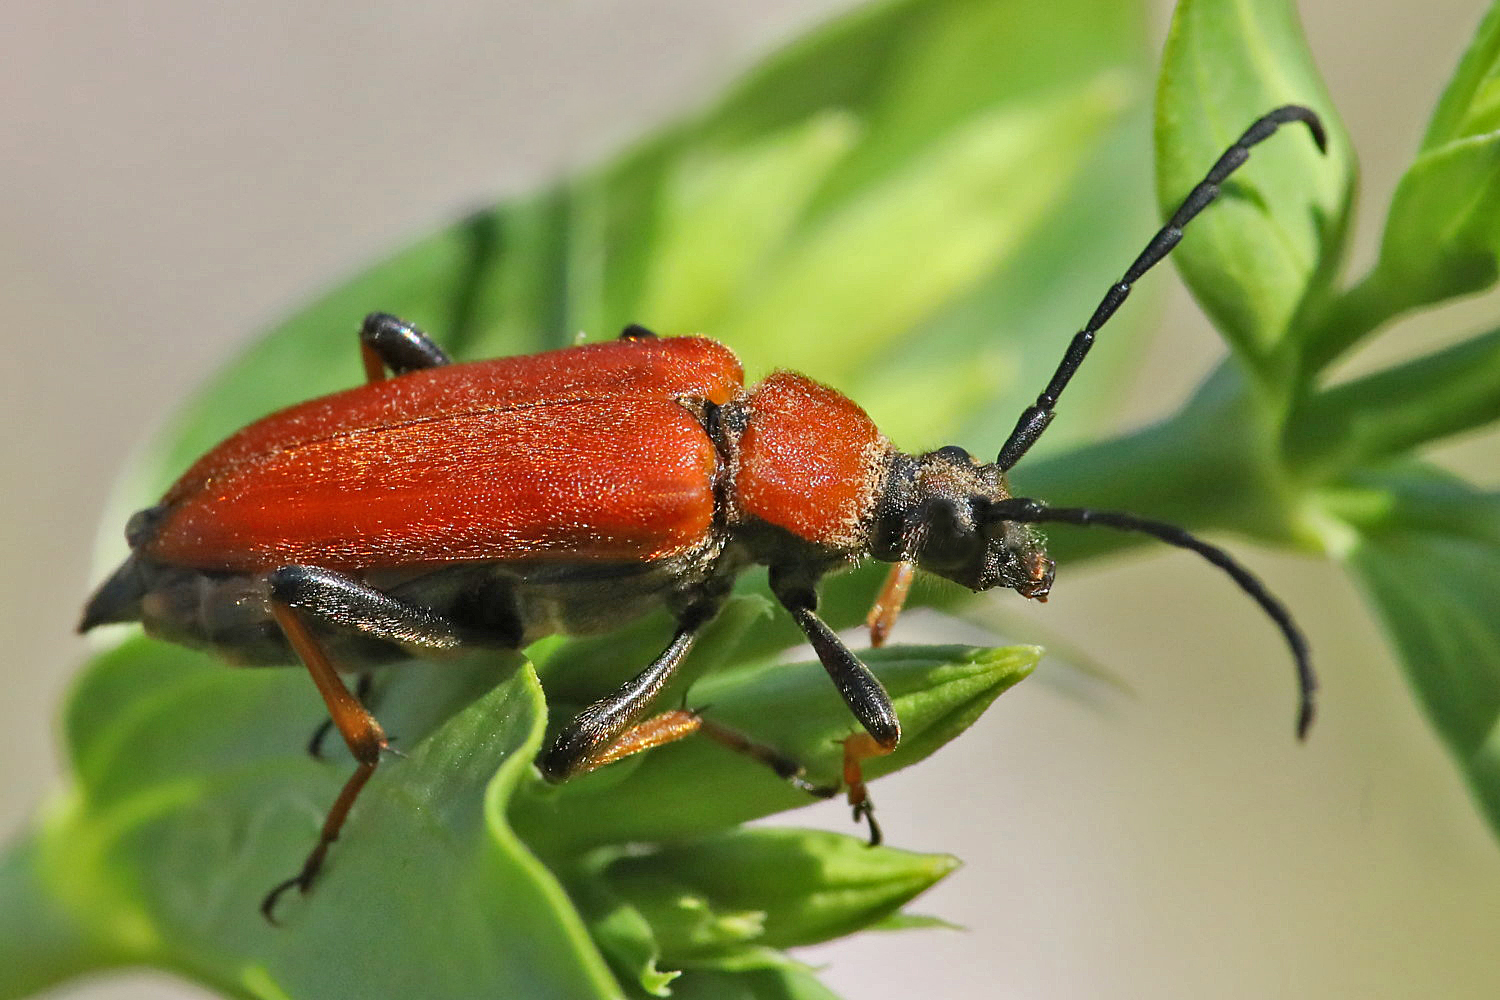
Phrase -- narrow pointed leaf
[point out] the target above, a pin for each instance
(1396, 410)
(1442, 231)
(1442, 237)
(1470, 104)
(773, 887)
(938, 692)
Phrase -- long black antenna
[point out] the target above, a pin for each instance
(1023, 509)
(1036, 417)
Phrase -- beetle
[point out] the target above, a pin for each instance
(490, 503)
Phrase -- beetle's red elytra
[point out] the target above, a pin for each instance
(582, 453)
(491, 503)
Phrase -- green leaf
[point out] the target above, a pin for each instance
(1008, 286)
(913, 922)
(205, 763)
(1470, 104)
(938, 692)
(1442, 235)
(624, 937)
(771, 887)
(1428, 555)
(42, 942)
(1268, 248)
(959, 210)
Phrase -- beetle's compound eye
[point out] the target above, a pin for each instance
(950, 533)
(954, 454)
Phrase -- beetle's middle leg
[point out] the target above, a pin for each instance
(299, 594)
(677, 723)
(608, 729)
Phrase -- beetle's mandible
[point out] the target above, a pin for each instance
(491, 503)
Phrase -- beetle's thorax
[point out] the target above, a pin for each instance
(807, 477)
(803, 467)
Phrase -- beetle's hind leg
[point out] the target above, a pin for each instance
(388, 342)
(364, 686)
(360, 731)
(300, 594)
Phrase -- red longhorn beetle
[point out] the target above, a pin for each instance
(492, 503)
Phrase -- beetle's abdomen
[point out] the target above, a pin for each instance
(614, 479)
(810, 461)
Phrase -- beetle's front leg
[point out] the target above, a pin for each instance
(299, 594)
(889, 601)
(862, 691)
(388, 342)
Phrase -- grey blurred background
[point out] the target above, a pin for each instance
(171, 184)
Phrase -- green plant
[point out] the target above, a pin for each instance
(889, 137)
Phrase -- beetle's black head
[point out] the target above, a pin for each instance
(939, 511)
